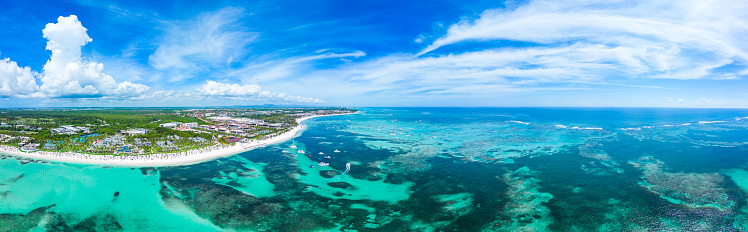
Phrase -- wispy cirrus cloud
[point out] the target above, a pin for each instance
(266, 70)
(557, 46)
(190, 47)
(484, 73)
(658, 39)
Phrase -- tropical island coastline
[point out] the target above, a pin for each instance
(188, 157)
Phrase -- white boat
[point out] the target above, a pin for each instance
(300, 151)
(322, 164)
(320, 153)
(336, 151)
(284, 151)
(293, 144)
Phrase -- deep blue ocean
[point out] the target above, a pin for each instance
(421, 169)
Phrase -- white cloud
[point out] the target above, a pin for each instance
(213, 39)
(16, 81)
(562, 46)
(500, 70)
(128, 89)
(657, 39)
(67, 75)
(252, 91)
(274, 69)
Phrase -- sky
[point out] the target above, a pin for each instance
(434, 53)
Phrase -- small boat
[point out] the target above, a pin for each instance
(320, 153)
(311, 166)
(336, 151)
(284, 152)
(293, 144)
(327, 157)
(322, 164)
(262, 147)
(310, 156)
(300, 151)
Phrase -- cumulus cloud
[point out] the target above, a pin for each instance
(67, 75)
(252, 91)
(16, 81)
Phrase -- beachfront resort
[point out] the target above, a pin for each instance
(138, 133)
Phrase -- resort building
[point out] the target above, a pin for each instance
(166, 145)
(138, 131)
(31, 147)
(232, 139)
(70, 130)
(169, 124)
(141, 143)
(198, 140)
(50, 146)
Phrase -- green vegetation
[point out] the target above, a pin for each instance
(139, 131)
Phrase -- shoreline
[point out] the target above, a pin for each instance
(162, 159)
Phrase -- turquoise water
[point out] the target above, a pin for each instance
(422, 169)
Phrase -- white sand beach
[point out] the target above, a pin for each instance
(160, 160)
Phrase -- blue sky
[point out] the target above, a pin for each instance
(374, 53)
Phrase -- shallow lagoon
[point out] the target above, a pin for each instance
(422, 169)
